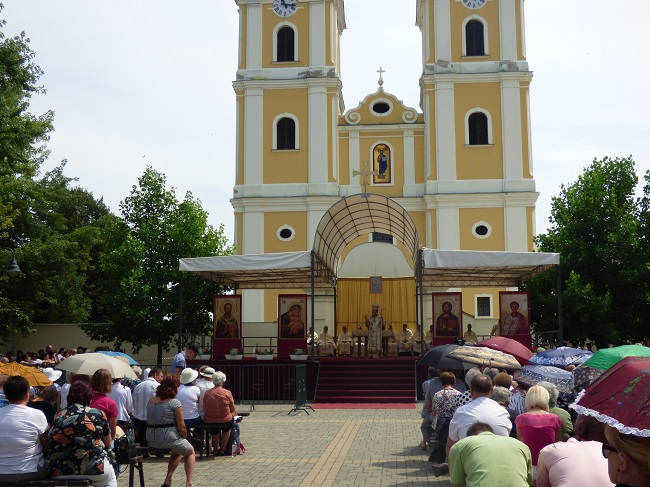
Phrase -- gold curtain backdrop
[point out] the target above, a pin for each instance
(396, 302)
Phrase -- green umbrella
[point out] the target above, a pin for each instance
(604, 358)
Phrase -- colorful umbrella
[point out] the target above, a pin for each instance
(508, 345)
(88, 363)
(621, 397)
(560, 356)
(119, 355)
(485, 356)
(438, 357)
(604, 358)
(584, 375)
(534, 374)
(33, 375)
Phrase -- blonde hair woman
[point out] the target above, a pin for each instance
(628, 458)
(538, 427)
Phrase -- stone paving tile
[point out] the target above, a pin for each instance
(328, 447)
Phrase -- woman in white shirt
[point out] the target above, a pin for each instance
(188, 395)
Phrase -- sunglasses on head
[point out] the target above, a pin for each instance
(607, 448)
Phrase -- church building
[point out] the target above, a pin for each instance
(460, 163)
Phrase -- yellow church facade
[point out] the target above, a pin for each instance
(460, 164)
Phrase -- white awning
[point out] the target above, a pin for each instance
(466, 268)
(261, 271)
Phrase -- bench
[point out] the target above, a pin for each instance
(135, 463)
(46, 483)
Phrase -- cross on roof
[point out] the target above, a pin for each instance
(365, 173)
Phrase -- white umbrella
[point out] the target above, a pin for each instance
(88, 363)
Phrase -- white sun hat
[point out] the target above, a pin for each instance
(52, 374)
(188, 375)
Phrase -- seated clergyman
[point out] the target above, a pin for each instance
(405, 340)
(344, 342)
(326, 342)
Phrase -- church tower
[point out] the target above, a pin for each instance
(288, 91)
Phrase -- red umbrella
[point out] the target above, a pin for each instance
(508, 345)
(620, 397)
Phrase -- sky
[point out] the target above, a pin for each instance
(137, 83)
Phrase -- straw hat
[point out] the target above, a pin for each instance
(188, 375)
(207, 372)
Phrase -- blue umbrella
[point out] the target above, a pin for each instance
(534, 374)
(119, 354)
(560, 357)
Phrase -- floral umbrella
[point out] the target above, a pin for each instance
(560, 356)
(604, 358)
(88, 363)
(534, 374)
(621, 397)
(508, 345)
(583, 375)
(485, 356)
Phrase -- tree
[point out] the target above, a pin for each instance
(596, 228)
(140, 267)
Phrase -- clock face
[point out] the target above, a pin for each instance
(474, 3)
(284, 8)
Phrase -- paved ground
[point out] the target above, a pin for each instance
(328, 447)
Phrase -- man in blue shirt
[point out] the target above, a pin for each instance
(179, 362)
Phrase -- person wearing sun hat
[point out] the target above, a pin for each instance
(204, 384)
(188, 395)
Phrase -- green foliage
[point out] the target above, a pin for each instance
(597, 229)
(140, 266)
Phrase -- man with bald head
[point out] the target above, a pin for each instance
(482, 409)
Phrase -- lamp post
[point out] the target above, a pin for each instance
(13, 270)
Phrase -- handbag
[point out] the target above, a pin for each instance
(124, 448)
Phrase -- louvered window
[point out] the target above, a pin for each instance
(478, 129)
(474, 40)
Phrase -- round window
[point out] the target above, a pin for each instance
(481, 230)
(381, 107)
(285, 233)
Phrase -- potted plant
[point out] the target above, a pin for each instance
(206, 353)
(234, 354)
(298, 354)
(263, 354)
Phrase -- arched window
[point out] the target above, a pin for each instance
(477, 128)
(474, 38)
(286, 134)
(286, 42)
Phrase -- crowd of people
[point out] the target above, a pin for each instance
(67, 430)
(491, 430)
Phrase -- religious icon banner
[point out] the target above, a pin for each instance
(447, 317)
(382, 165)
(514, 313)
(227, 324)
(292, 323)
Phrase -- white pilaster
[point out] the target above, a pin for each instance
(253, 136)
(445, 131)
(448, 228)
(317, 34)
(252, 243)
(318, 141)
(442, 29)
(516, 229)
(355, 163)
(508, 29)
(409, 163)
(254, 36)
(512, 145)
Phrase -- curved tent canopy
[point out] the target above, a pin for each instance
(361, 214)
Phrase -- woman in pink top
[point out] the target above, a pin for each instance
(100, 383)
(538, 427)
(218, 412)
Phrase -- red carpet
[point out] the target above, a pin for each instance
(371, 405)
